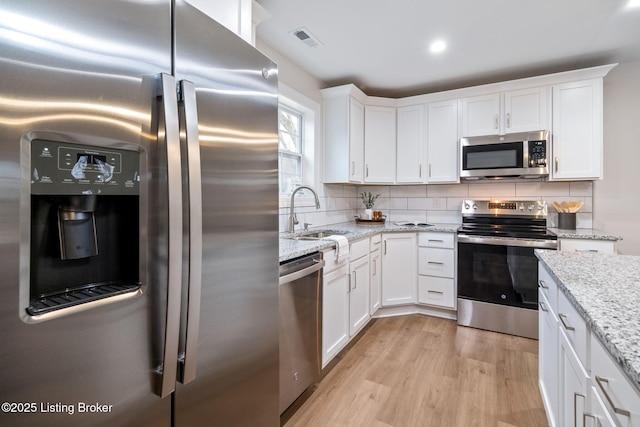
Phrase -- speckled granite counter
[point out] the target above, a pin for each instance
(605, 289)
(584, 233)
(290, 248)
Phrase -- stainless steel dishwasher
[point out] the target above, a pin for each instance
(300, 326)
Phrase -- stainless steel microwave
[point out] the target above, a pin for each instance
(516, 155)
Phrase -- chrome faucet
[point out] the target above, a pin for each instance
(292, 215)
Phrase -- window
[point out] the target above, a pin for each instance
(290, 148)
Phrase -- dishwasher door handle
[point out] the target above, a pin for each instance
(301, 273)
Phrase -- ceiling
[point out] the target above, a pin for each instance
(383, 45)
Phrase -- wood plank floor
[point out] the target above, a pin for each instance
(424, 371)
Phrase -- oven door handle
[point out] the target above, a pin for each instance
(509, 241)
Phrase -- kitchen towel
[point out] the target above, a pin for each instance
(342, 246)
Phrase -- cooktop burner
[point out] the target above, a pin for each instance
(499, 218)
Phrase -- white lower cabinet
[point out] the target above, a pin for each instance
(573, 384)
(580, 383)
(375, 281)
(548, 356)
(617, 401)
(587, 245)
(359, 286)
(436, 269)
(335, 306)
(399, 272)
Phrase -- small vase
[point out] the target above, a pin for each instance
(368, 214)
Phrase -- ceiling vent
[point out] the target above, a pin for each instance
(306, 37)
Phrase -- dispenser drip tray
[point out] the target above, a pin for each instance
(80, 295)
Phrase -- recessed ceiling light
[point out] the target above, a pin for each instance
(438, 46)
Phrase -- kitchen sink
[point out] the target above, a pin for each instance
(315, 235)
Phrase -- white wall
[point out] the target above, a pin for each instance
(616, 199)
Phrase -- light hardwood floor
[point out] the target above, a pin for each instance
(424, 371)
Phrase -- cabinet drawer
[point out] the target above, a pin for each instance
(436, 240)
(548, 287)
(376, 242)
(573, 326)
(330, 263)
(359, 249)
(435, 262)
(585, 245)
(613, 386)
(438, 291)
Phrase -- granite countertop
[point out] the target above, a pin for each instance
(584, 233)
(290, 248)
(605, 290)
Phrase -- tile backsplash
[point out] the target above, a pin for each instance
(436, 203)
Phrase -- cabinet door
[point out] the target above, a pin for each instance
(573, 385)
(577, 130)
(481, 115)
(335, 313)
(399, 269)
(379, 144)
(525, 110)
(442, 142)
(410, 144)
(359, 295)
(343, 139)
(548, 357)
(356, 141)
(375, 281)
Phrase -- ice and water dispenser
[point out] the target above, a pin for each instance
(84, 231)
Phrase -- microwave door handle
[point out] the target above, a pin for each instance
(168, 367)
(194, 287)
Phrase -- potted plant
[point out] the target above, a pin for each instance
(368, 199)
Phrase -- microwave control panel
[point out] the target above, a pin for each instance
(537, 153)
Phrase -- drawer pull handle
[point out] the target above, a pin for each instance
(587, 250)
(435, 262)
(543, 284)
(616, 409)
(563, 318)
(435, 292)
(543, 307)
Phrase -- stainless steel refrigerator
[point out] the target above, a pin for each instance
(138, 218)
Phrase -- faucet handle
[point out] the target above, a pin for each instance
(306, 226)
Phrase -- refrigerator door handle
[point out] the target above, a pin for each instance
(192, 150)
(169, 366)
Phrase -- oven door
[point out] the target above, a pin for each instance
(499, 270)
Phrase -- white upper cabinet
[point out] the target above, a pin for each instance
(442, 142)
(577, 130)
(509, 112)
(481, 115)
(379, 144)
(415, 140)
(411, 145)
(526, 110)
(343, 135)
(236, 15)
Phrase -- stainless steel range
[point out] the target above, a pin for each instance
(497, 269)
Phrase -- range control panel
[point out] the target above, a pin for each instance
(64, 168)
(504, 207)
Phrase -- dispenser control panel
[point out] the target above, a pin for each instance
(66, 168)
